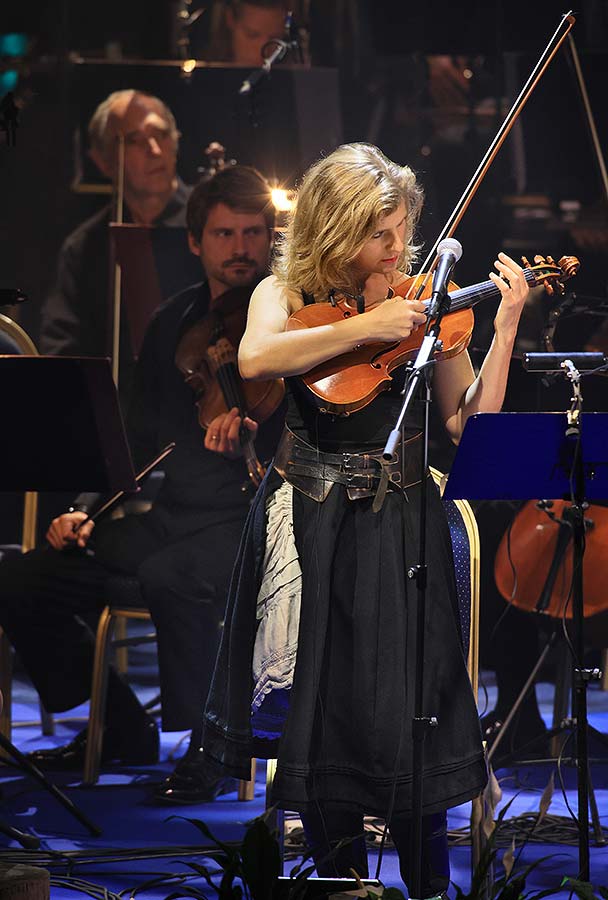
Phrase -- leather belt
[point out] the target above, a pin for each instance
(314, 472)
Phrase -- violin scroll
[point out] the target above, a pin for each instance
(553, 275)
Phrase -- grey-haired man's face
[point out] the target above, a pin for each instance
(150, 146)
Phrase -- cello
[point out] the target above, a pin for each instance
(533, 564)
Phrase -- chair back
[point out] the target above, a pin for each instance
(466, 549)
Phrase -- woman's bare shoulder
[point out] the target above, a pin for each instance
(270, 289)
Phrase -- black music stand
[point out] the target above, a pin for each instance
(63, 431)
(525, 456)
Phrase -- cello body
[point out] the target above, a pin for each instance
(527, 551)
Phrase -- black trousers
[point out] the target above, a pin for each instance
(333, 822)
(50, 602)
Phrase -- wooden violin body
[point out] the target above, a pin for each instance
(349, 382)
(526, 559)
(207, 357)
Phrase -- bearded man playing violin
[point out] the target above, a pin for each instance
(325, 626)
(181, 550)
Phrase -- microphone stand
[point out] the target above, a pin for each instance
(581, 676)
(248, 87)
(420, 372)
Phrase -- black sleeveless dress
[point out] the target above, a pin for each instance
(347, 732)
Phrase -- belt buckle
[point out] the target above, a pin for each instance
(346, 464)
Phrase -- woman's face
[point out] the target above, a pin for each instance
(381, 251)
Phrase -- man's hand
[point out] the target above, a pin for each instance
(222, 435)
(61, 532)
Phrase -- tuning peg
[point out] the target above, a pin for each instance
(526, 262)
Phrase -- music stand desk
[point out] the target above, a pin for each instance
(527, 456)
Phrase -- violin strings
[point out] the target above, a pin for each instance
(469, 296)
(229, 383)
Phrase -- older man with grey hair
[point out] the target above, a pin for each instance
(75, 317)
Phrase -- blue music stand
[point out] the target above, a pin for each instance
(527, 456)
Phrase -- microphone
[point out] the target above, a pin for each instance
(281, 49)
(449, 252)
(554, 362)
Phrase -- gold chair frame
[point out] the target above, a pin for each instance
(111, 618)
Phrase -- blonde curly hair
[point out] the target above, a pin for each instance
(339, 203)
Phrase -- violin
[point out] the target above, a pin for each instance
(349, 382)
(207, 357)
(533, 564)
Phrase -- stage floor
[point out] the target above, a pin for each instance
(133, 827)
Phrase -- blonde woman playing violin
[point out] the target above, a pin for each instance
(331, 646)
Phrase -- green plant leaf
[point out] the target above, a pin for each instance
(261, 860)
(204, 829)
(582, 889)
(547, 892)
(390, 893)
(298, 889)
(545, 800)
(204, 872)
(508, 859)
(513, 888)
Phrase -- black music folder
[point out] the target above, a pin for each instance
(62, 426)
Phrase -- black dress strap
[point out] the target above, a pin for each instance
(307, 298)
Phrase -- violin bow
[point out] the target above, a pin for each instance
(557, 39)
(118, 496)
(116, 270)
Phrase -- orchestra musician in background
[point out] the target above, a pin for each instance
(181, 550)
(75, 317)
(241, 29)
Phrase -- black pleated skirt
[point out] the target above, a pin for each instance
(348, 733)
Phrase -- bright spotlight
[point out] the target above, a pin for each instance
(282, 200)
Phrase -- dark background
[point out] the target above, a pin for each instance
(370, 82)
(375, 89)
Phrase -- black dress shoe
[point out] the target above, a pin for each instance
(192, 781)
(140, 749)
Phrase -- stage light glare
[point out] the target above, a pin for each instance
(282, 199)
(188, 66)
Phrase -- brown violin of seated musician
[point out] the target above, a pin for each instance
(349, 382)
(533, 565)
(207, 357)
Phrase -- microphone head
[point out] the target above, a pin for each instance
(450, 245)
